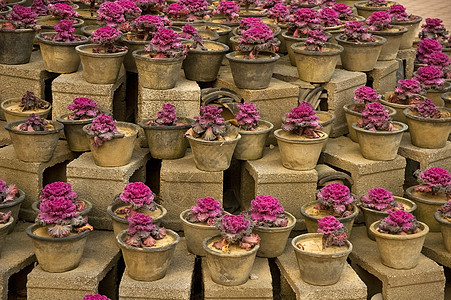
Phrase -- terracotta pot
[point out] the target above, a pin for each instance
(14, 207)
(400, 252)
(35, 207)
(222, 30)
(290, 40)
(445, 228)
(85, 15)
(132, 46)
(366, 11)
(436, 95)
(16, 45)
(57, 255)
(390, 48)
(252, 143)
(147, 264)
(73, 131)
(326, 119)
(4, 230)
(88, 30)
(360, 57)
(399, 116)
(446, 97)
(409, 36)
(12, 115)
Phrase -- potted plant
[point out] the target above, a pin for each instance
(231, 255)
(197, 10)
(410, 22)
(299, 4)
(17, 35)
(102, 60)
(58, 11)
(376, 205)
(399, 233)
(431, 79)
(17, 109)
(147, 248)
(111, 142)
(322, 256)
(280, 14)
(151, 7)
(443, 217)
(4, 9)
(345, 12)
(433, 29)
(41, 133)
(10, 200)
(247, 23)
(59, 235)
(329, 19)
(229, 10)
(425, 48)
(6, 223)
(197, 36)
(111, 14)
(136, 198)
(441, 61)
(366, 8)
(165, 134)
(222, 30)
(300, 139)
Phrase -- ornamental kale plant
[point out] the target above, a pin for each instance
(21, 17)
(407, 92)
(58, 190)
(302, 121)
(356, 31)
(303, 20)
(209, 125)
(82, 109)
(131, 10)
(375, 117)
(166, 43)
(198, 9)
(190, 33)
(297, 4)
(177, 11)
(102, 129)
(38, 7)
(328, 17)
(433, 180)
(206, 210)
(110, 14)
(363, 96)
(34, 123)
(29, 101)
(142, 232)
(398, 13)
(279, 13)
(63, 11)
(150, 6)
(229, 9)
(266, 211)
(377, 3)
(139, 196)
(441, 61)
(326, 3)
(64, 32)
(106, 38)
(95, 297)
(426, 109)
(316, 41)
(425, 48)
(344, 12)
(445, 211)
(147, 25)
(430, 78)
(4, 217)
(248, 116)
(247, 3)
(268, 4)
(257, 39)
(433, 29)
(235, 230)
(336, 198)
(379, 21)
(165, 117)
(247, 23)
(381, 200)
(334, 232)
(399, 222)
(7, 193)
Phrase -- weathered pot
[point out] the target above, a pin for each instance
(35, 207)
(234, 41)
(290, 40)
(372, 215)
(348, 2)
(222, 30)
(100, 68)
(399, 116)
(274, 239)
(167, 142)
(43, 142)
(88, 30)
(320, 268)
(380, 145)
(316, 66)
(14, 207)
(299, 153)
(409, 36)
(252, 13)
(401, 252)
(85, 15)
(230, 269)
(445, 228)
(73, 131)
(252, 74)
(57, 255)
(390, 48)
(16, 46)
(366, 11)
(252, 143)
(132, 46)
(446, 97)
(4, 230)
(360, 57)
(147, 264)
(429, 133)
(12, 115)
(326, 119)
(436, 95)
(116, 152)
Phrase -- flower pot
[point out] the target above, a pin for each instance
(167, 142)
(311, 220)
(316, 66)
(148, 264)
(274, 239)
(47, 23)
(85, 15)
(100, 68)
(409, 36)
(35, 207)
(4, 230)
(366, 11)
(73, 131)
(252, 143)
(348, 2)
(222, 30)
(399, 116)
(12, 113)
(235, 41)
(34, 146)
(290, 40)
(118, 151)
(380, 145)
(320, 268)
(133, 43)
(436, 95)
(360, 57)
(157, 73)
(429, 133)
(57, 255)
(326, 119)
(202, 65)
(88, 30)
(372, 215)
(400, 252)
(16, 46)
(230, 269)
(446, 97)
(445, 228)
(14, 207)
(297, 152)
(252, 13)
(252, 74)
(390, 48)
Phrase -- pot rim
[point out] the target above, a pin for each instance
(227, 29)
(438, 217)
(404, 127)
(85, 28)
(397, 198)
(390, 33)
(387, 236)
(79, 23)
(359, 4)
(119, 124)
(7, 225)
(408, 113)
(16, 200)
(33, 227)
(78, 122)
(380, 40)
(446, 96)
(58, 127)
(175, 127)
(257, 132)
(338, 49)
(305, 141)
(232, 56)
(120, 238)
(330, 121)
(34, 206)
(195, 225)
(344, 219)
(391, 104)
(197, 140)
(289, 36)
(18, 100)
(81, 51)
(409, 192)
(347, 109)
(278, 229)
(319, 255)
(207, 240)
(41, 39)
(446, 88)
(138, 54)
(409, 22)
(209, 52)
(113, 206)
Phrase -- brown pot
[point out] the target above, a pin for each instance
(399, 116)
(326, 120)
(446, 97)
(222, 30)
(436, 95)
(12, 115)
(252, 143)
(390, 48)
(366, 11)
(409, 36)
(290, 40)
(73, 131)
(4, 230)
(13, 207)
(360, 57)
(445, 228)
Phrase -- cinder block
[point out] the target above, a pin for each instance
(99, 257)
(407, 57)
(31, 177)
(367, 174)
(5, 139)
(383, 76)
(176, 285)
(425, 281)
(435, 249)
(349, 287)
(100, 184)
(259, 285)
(181, 184)
(267, 176)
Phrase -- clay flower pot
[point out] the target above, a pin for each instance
(252, 143)
(446, 97)
(235, 41)
(14, 207)
(360, 57)
(445, 228)
(4, 230)
(326, 119)
(366, 11)
(10, 108)
(88, 30)
(35, 207)
(85, 15)
(222, 30)
(399, 116)
(16, 46)
(290, 40)
(390, 48)
(133, 44)
(409, 36)
(436, 95)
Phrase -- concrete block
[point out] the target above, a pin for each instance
(349, 287)
(367, 174)
(284, 71)
(407, 57)
(383, 76)
(181, 184)
(100, 184)
(425, 281)
(99, 257)
(267, 176)
(435, 249)
(31, 177)
(176, 285)
(259, 285)
(5, 139)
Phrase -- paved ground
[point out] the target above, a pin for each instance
(430, 9)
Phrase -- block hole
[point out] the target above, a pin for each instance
(197, 287)
(275, 275)
(55, 173)
(108, 286)
(373, 284)
(231, 186)
(17, 284)
(411, 167)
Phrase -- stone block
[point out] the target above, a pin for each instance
(32, 176)
(100, 184)
(435, 249)
(176, 285)
(340, 91)
(425, 281)
(407, 57)
(267, 176)
(383, 76)
(100, 256)
(5, 139)
(181, 184)
(283, 70)
(259, 285)
(349, 287)
(366, 174)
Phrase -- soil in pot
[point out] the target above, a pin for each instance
(252, 143)
(13, 112)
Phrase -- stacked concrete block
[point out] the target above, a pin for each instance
(435, 249)
(96, 272)
(367, 174)
(407, 57)
(100, 184)
(383, 76)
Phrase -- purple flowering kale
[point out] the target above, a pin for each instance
(110, 14)
(209, 125)
(445, 211)
(166, 43)
(139, 196)
(426, 109)
(425, 48)
(297, 4)
(106, 38)
(267, 211)
(38, 7)
(303, 20)
(21, 17)
(247, 3)
(7, 193)
(302, 120)
(408, 92)
(328, 17)
(375, 117)
(356, 31)
(344, 12)
(379, 21)
(165, 117)
(190, 33)
(95, 297)
(235, 230)
(433, 29)
(247, 23)
(4, 217)
(363, 96)
(198, 9)
(150, 6)
(248, 116)
(441, 61)
(3, 5)
(229, 9)
(29, 101)
(430, 78)
(279, 13)
(433, 180)
(177, 11)
(399, 222)
(131, 10)
(206, 210)
(398, 13)
(377, 3)
(63, 11)
(147, 25)
(337, 198)
(56, 190)
(82, 109)
(102, 129)
(256, 39)
(268, 4)
(34, 123)
(316, 41)
(142, 232)
(64, 32)
(334, 233)
(381, 200)
(326, 3)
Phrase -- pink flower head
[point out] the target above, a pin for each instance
(302, 120)
(7, 193)
(329, 17)
(63, 11)
(2, 186)
(166, 117)
(316, 40)
(110, 14)
(304, 20)
(4, 217)
(60, 210)
(210, 125)
(65, 31)
(379, 21)
(247, 23)
(166, 43)
(334, 233)
(328, 225)
(377, 3)
(95, 297)
(234, 228)
(138, 194)
(280, 13)
(427, 109)
(336, 197)
(355, 31)
(366, 95)
(378, 199)
(267, 211)
(140, 223)
(434, 180)
(194, 5)
(248, 116)
(142, 232)
(176, 11)
(229, 9)
(344, 11)
(430, 77)
(188, 32)
(207, 210)
(83, 108)
(326, 3)
(407, 92)
(375, 117)
(131, 10)
(102, 129)
(445, 210)
(22, 17)
(57, 190)
(433, 29)
(106, 36)
(34, 123)
(441, 61)
(425, 48)
(38, 7)
(399, 222)
(398, 13)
